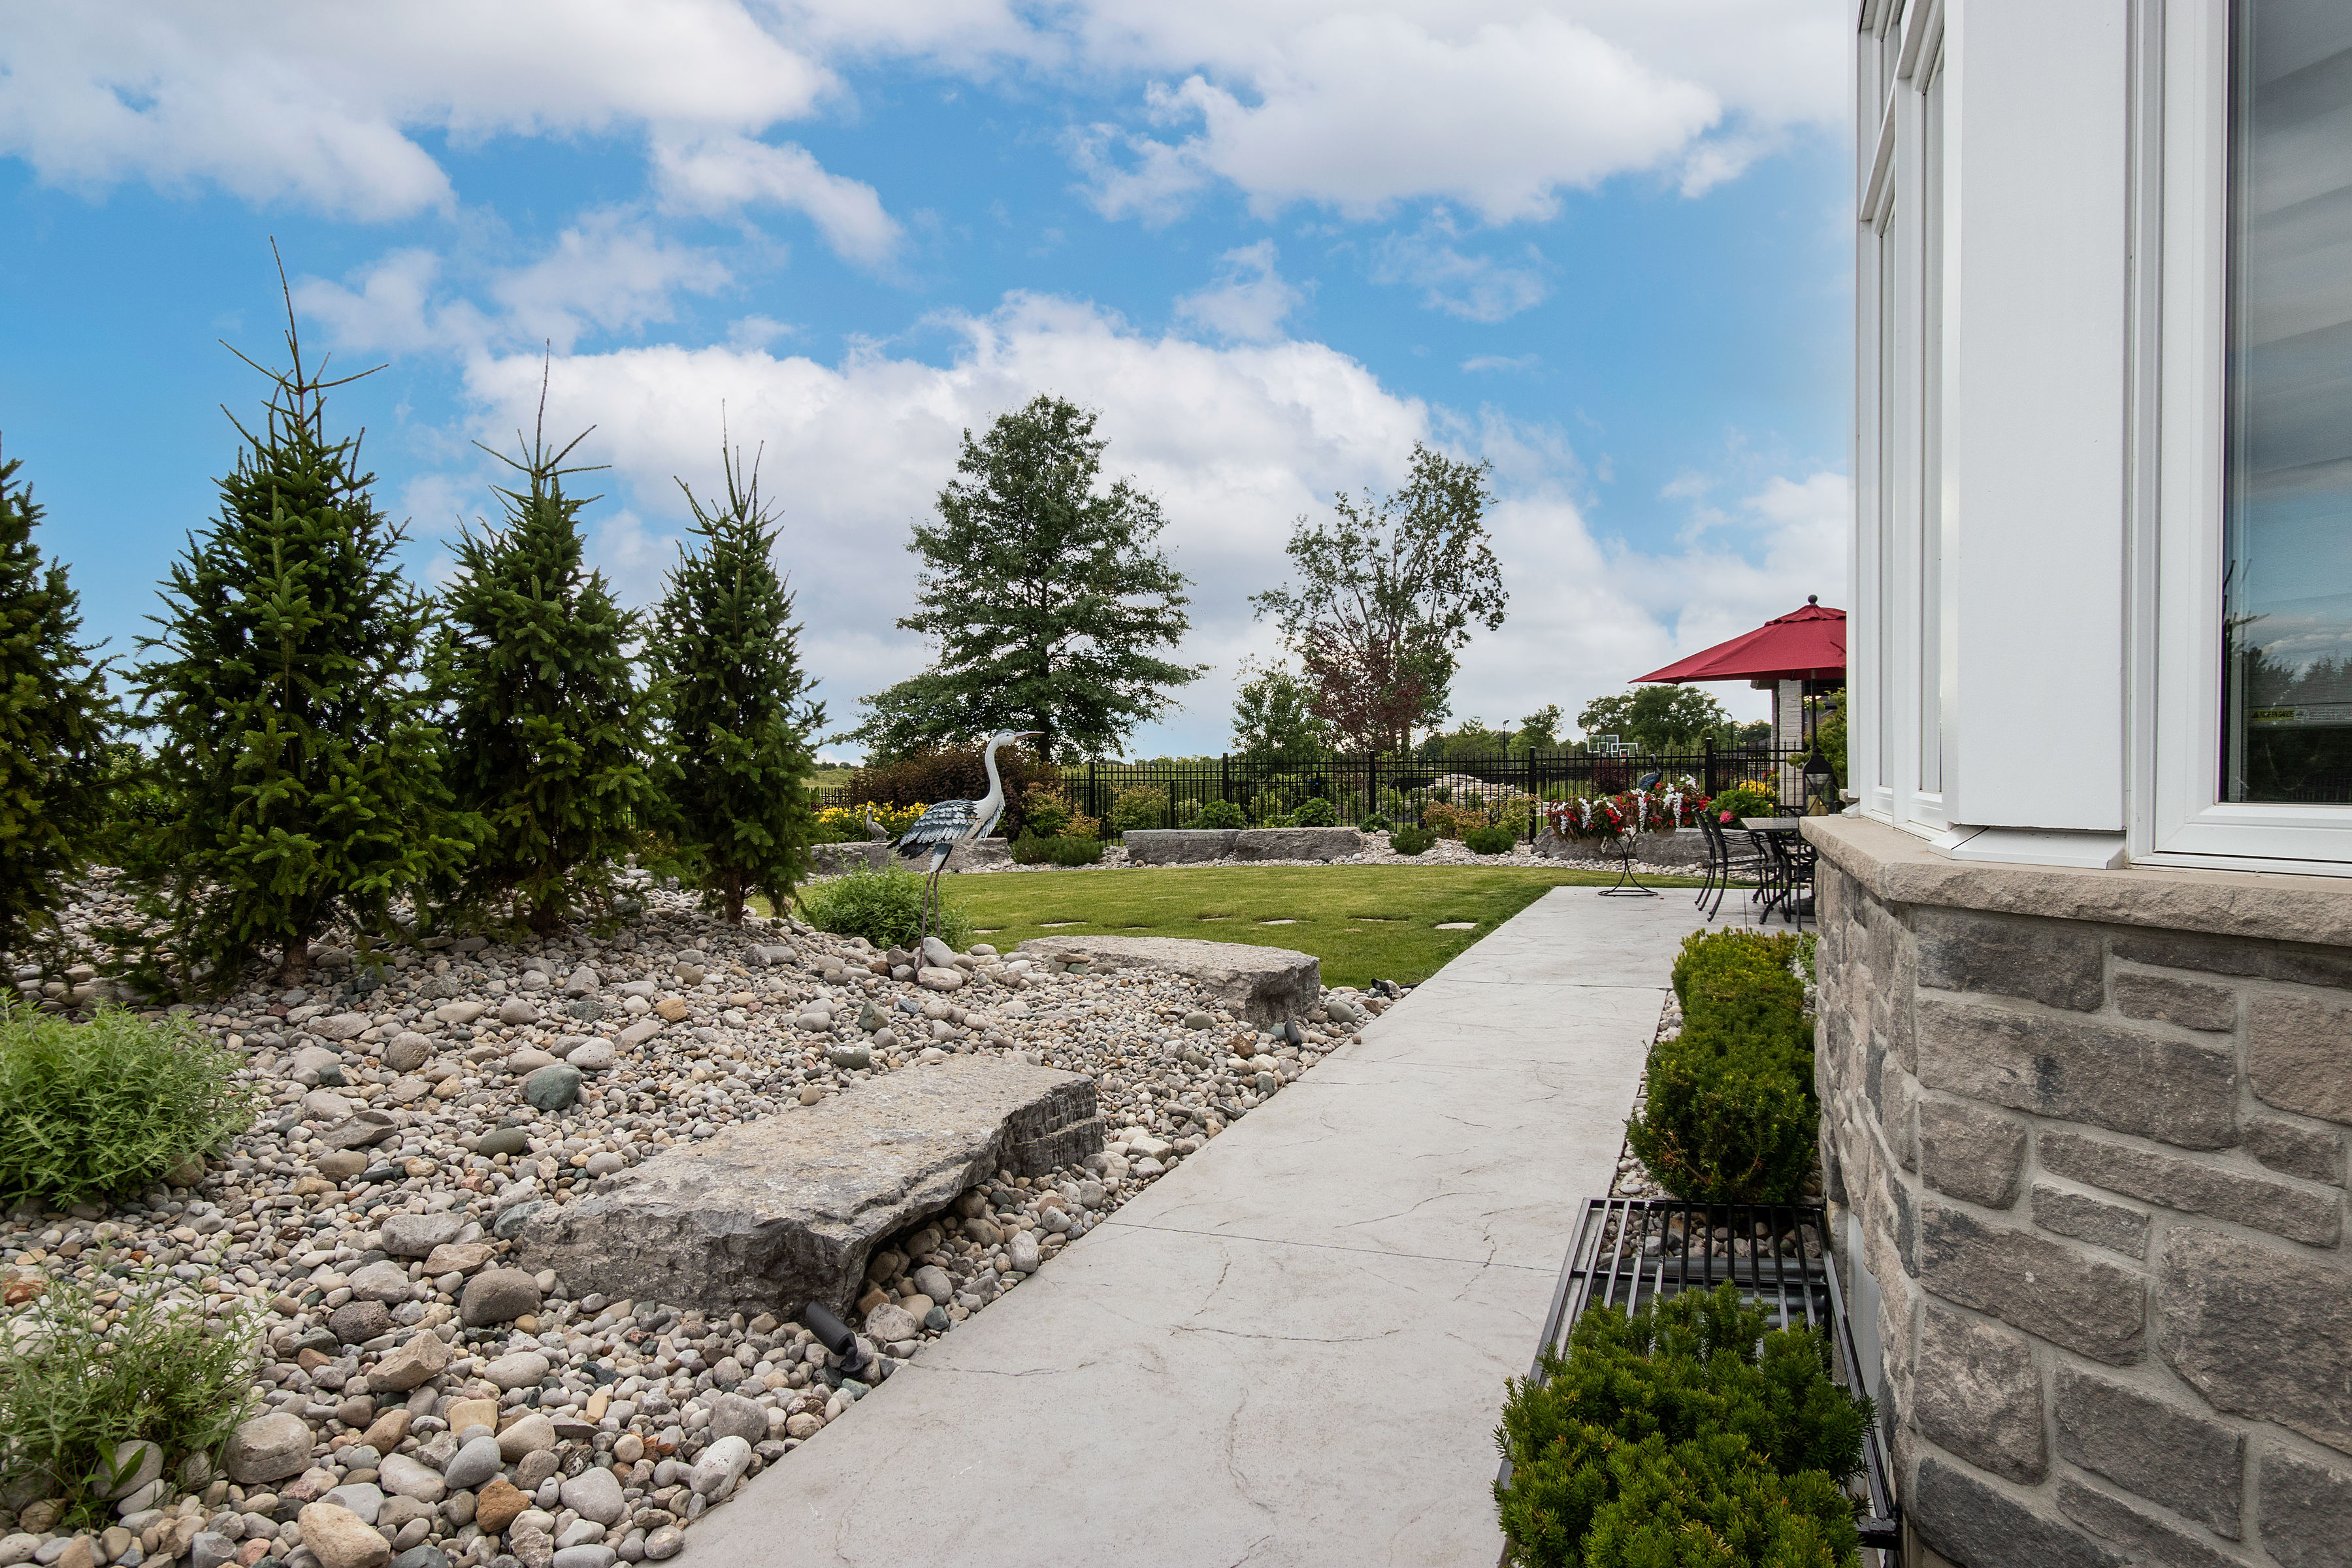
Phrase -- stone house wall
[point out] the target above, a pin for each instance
(2093, 1126)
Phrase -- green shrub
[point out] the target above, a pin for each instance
(78, 1381)
(1743, 800)
(1141, 806)
(1683, 1434)
(1490, 840)
(92, 1111)
(884, 907)
(1031, 850)
(1378, 824)
(1315, 812)
(1222, 814)
(1049, 816)
(1412, 840)
(1731, 1115)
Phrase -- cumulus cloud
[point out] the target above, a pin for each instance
(1250, 300)
(718, 173)
(1236, 440)
(322, 104)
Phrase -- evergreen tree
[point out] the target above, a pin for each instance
(297, 769)
(54, 719)
(727, 653)
(548, 721)
(1048, 601)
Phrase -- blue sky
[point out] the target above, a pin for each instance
(1603, 244)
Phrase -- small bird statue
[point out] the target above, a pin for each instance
(952, 822)
(875, 831)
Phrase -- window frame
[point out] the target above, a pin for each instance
(2180, 818)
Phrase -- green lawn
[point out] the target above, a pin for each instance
(1365, 922)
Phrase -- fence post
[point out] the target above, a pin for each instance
(1171, 799)
(1372, 782)
(1090, 789)
(1225, 777)
(1710, 765)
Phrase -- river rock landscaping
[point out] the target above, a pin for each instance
(421, 1400)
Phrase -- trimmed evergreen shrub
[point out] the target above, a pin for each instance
(92, 1110)
(1490, 840)
(1031, 850)
(79, 1380)
(1412, 840)
(1222, 814)
(1731, 1115)
(54, 714)
(547, 718)
(1142, 806)
(884, 907)
(726, 654)
(1682, 1434)
(298, 771)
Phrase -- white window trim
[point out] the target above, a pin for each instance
(2179, 819)
(1887, 538)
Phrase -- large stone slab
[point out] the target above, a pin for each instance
(832, 860)
(1296, 843)
(785, 1210)
(1268, 983)
(1179, 846)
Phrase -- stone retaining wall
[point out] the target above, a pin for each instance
(2094, 1135)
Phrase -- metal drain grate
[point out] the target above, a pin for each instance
(1631, 1252)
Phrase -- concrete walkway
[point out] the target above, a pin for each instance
(1292, 1347)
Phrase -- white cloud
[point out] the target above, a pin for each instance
(610, 272)
(1479, 363)
(1475, 287)
(1235, 440)
(1249, 301)
(321, 104)
(720, 173)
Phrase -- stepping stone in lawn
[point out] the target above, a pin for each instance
(1458, 925)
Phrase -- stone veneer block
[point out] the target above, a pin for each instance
(1975, 1523)
(2306, 1512)
(2194, 1467)
(2299, 1055)
(2296, 1150)
(2081, 1069)
(2259, 1330)
(2049, 962)
(1969, 1151)
(2091, 1307)
(2194, 1186)
(1984, 1403)
(2086, 1218)
(2165, 999)
(2149, 1540)
(2301, 963)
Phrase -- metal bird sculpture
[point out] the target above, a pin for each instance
(875, 831)
(952, 822)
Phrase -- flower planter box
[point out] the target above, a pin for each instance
(1683, 846)
(1629, 1252)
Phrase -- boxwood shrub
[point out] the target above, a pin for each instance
(1412, 840)
(1683, 1433)
(1731, 1114)
(1495, 840)
(1031, 850)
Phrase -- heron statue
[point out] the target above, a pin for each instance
(875, 831)
(952, 822)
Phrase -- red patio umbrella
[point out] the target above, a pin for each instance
(1808, 644)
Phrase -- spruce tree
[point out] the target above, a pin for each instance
(728, 655)
(55, 716)
(549, 724)
(297, 768)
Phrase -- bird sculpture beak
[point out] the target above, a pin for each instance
(1027, 734)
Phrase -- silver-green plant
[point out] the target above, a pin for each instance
(92, 1110)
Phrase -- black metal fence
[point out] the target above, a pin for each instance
(1397, 789)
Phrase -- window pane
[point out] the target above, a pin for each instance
(2287, 611)
(1931, 438)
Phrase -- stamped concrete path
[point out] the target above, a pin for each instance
(1291, 1349)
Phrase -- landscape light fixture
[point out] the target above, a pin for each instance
(836, 1336)
(1819, 776)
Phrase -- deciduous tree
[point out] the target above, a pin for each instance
(1274, 725)
(1656, 717)
(1385, 598)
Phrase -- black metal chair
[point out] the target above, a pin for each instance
(1725, 862)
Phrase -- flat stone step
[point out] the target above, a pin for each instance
(768, 1217)
(1268, 983)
